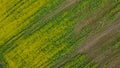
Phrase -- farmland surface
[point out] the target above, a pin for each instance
(59, 33)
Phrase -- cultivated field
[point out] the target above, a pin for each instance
(59, 33)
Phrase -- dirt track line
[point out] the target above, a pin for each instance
(98, 53)
(115, 63)
(92, 18)
(108, 56)
(99, 48)
(103, 57)
(83, 48)
(99, 36)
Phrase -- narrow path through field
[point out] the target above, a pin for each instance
(58, 33)
(90, 43)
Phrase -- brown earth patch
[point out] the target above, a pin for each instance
(90, 43)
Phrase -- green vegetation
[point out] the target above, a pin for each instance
(40, 33)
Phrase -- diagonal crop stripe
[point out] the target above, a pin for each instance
(59, 33)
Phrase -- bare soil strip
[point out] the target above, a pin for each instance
(85, 47)
(100, 49)
(90, 43)
(93, 17)
(115, 63)
(109, 57)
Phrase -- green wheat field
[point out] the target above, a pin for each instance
(59, 33)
